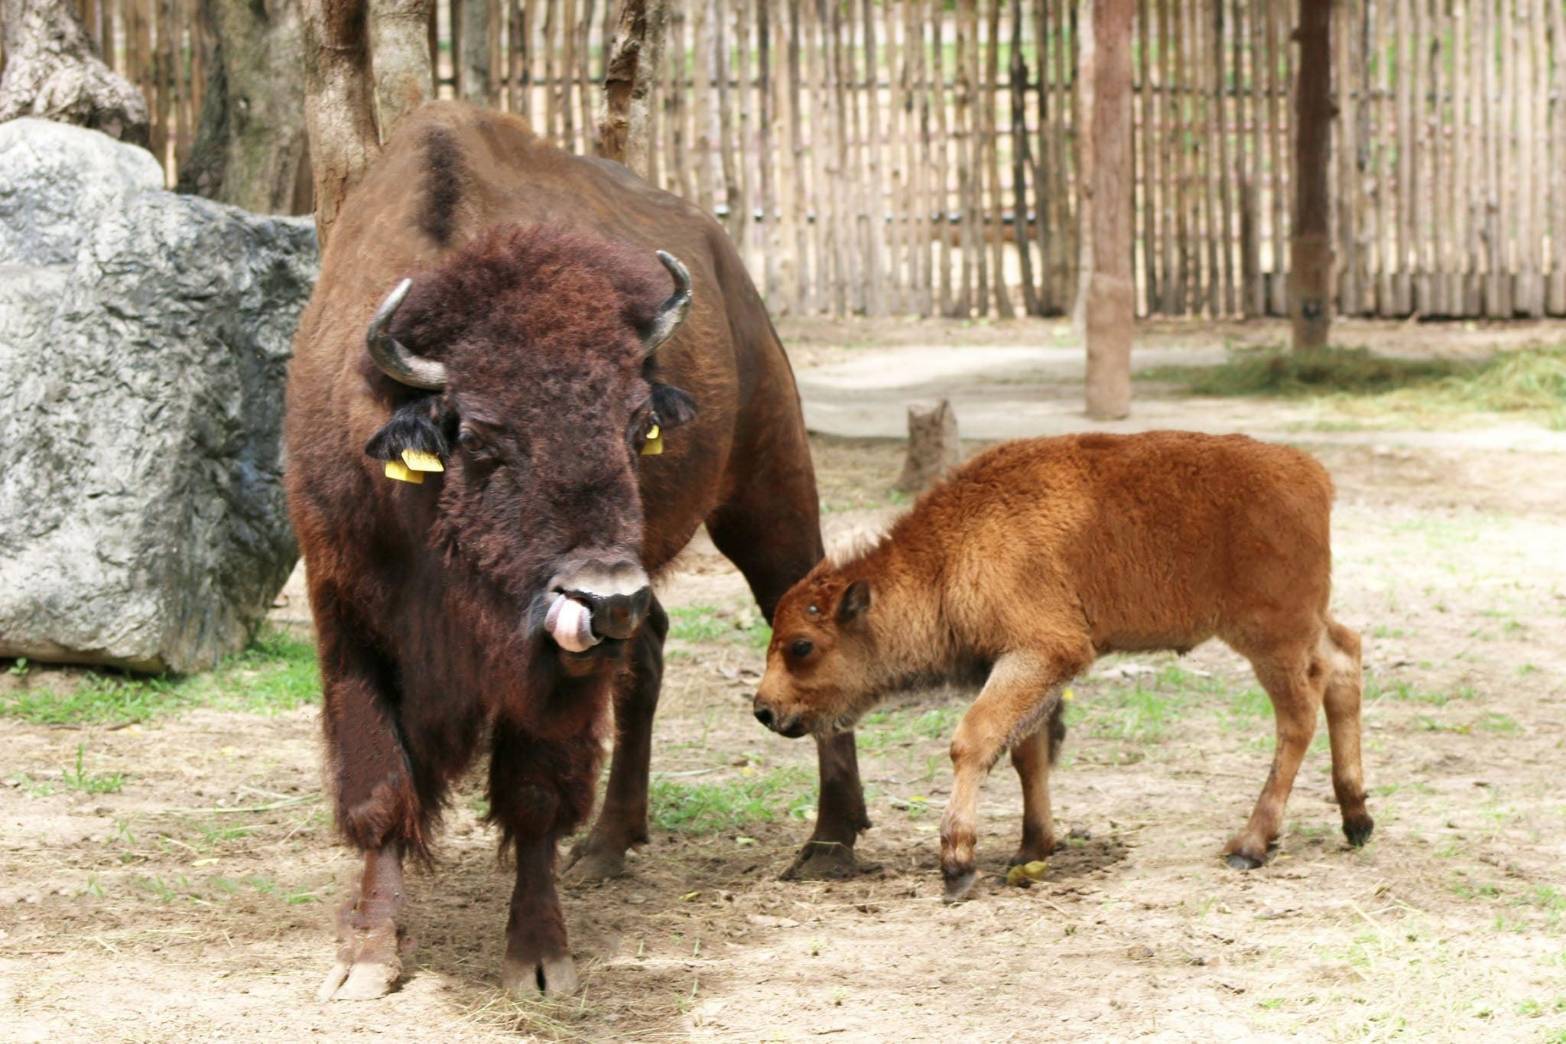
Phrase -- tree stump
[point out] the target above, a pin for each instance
(52, 71)
(933, 445)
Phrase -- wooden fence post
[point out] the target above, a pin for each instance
(1111, 295)
(1310, 258)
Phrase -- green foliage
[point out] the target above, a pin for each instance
(91, 783)
(277, 673)
(1531, 381)
(704, 623)
(712, 808)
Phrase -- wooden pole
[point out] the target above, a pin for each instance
(1111, 294)
(628, 81)
(1310, 260)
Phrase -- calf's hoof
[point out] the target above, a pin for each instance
(959, 884)
(1240, 861)
(826, 861)
(1357, 829)
(551, 976)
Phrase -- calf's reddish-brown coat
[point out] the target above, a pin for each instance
(1037, 557)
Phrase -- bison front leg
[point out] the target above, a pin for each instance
(378, 810)
(622, 821)
(840, 815)
(369, 941)
(1021, 693)
(539, 791)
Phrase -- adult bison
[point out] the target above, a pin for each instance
(499, 306)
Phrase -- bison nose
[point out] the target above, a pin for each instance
(617, 615)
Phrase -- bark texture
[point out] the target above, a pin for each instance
(1310, 251)
(52, 71)
(1110, 310)
(634, 58)
(250, 144)
(339, 103)
(400, 41)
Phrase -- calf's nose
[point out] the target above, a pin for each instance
(764, 715)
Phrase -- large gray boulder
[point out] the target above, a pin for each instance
(143, 341)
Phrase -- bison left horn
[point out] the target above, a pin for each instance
(674, 310)
(394, 360)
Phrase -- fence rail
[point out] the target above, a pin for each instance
(915, 157)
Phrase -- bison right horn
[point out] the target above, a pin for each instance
(674, 310)
(394, 360)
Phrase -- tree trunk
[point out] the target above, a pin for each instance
(1310, 253)
(1110, 310)
(51, 70)
(339, 103)
(251, 141)
(404, 67)
(632, 69)
(473, 62)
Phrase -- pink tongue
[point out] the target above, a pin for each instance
(570, 624)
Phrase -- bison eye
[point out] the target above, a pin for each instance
(801, 648)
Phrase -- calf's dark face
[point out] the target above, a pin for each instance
(547, 399)
(822, 663)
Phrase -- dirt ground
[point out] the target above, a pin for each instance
(174, 879)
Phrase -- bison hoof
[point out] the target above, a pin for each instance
(592, 860)
(552, 976)
(361, 980)
(1357, 829)
(959, 885)
(826, 861)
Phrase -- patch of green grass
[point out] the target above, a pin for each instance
(1530, 382)
(902, 727)
(277, 673)
(1492, 721)
(80, 779)
(712, 808)
(704, 623)
(1377, 688)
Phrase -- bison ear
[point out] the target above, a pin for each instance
(672, 405)
(412, 427)
(856, 599)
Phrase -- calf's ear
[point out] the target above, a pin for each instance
(856, 599)
(413, 427)
(672, 405)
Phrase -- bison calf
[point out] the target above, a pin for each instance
(1036, 558)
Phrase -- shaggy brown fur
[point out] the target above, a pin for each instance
(534, 284)
(1037, 557)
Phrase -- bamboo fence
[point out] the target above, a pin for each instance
(919, 157)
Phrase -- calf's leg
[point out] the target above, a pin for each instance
(1032, 757)
(1022, 690)
(622, 821)
(1340, 652)
(539, 790)
(1294, 680)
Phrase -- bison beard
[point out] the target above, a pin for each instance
(507, 593)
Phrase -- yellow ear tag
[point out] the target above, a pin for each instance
(396, 469)
(1067, 696)
(654, 444)
(418, 460)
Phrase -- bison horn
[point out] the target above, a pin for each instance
(394, 360)
(674, 310)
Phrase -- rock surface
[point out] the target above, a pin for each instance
(143, 342)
